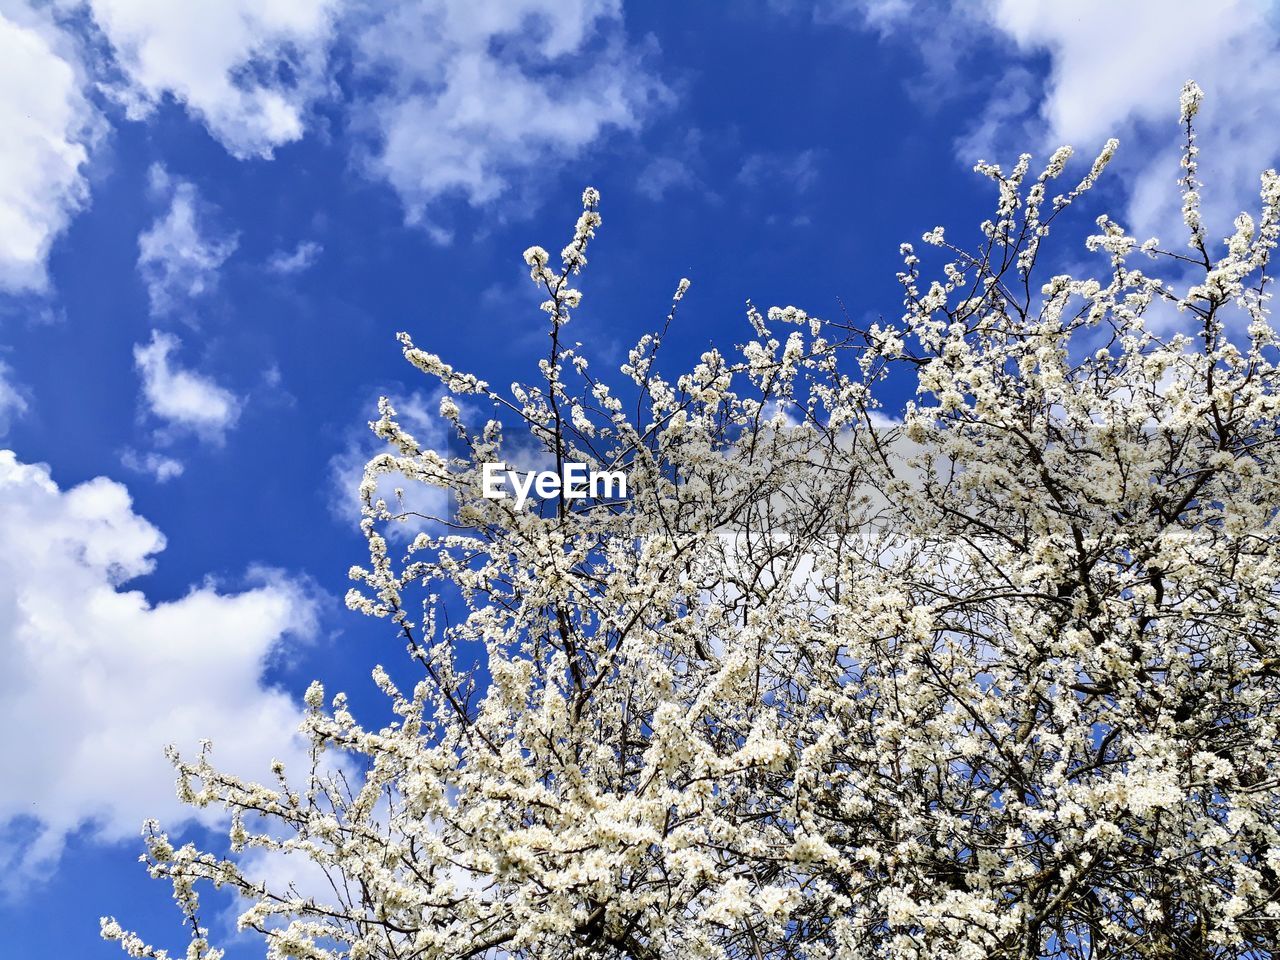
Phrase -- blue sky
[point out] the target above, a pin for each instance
(214, 219)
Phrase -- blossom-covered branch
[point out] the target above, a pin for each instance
(992, 676)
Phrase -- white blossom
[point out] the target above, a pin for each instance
(995, 680)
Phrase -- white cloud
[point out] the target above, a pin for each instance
(49, 127)
(1114, 69)
(183, 399)
(480, 93)
(301, 258)
(1110, 62)
(249, 69)
(1115, 65)
(468, 99)
(179, 256)
(470, 94)
(103, 679)
(159, 466)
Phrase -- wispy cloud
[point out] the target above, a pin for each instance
(476, 98)
(13, 402)
(180, 255)
(302, 257)
(663, 175)
(793, 171)
(162, 468)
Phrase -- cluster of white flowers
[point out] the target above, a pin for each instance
(1189, 101)
(998, 681)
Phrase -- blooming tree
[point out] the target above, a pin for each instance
(992, 676)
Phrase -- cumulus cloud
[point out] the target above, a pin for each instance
(302, 257)
(249, 70)
(49, 128)
(179, 255)
(108, 678)
(183, 399)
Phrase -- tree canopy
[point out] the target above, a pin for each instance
(994, 674)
